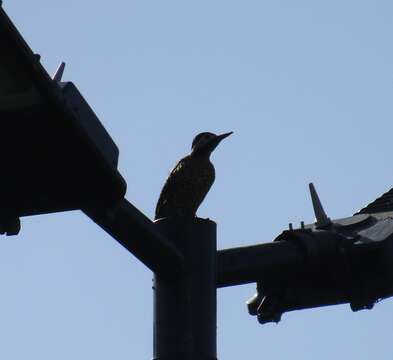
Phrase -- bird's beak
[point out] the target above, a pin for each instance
(215, 141)
(223, 136)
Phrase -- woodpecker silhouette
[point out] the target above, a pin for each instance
(190, 180)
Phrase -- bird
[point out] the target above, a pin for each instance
(190, 180)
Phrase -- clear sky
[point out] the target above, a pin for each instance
(306, 86)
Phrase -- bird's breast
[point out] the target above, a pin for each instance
(204, 172)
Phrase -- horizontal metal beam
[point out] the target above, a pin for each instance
(249, 264)
(138, 234)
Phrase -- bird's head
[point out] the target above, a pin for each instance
(204, 143)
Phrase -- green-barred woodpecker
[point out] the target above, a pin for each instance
(190, 180)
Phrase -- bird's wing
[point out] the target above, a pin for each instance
(171, 185)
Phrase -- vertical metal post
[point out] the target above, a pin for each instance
(185, 316)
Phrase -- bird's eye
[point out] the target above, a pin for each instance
(203, 140)
(206, 138)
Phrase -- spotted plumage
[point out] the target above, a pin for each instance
(190, 180)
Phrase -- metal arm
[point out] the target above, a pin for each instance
(249, 264)
(137, 233)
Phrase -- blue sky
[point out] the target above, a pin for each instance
(306, 87)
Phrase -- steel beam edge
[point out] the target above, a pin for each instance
(249, 264)
(139, 235)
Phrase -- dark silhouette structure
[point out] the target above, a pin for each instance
(190, 180)
(71, 163)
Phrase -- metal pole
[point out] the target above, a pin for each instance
(185, 316)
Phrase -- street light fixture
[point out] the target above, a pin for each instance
(55, 154)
